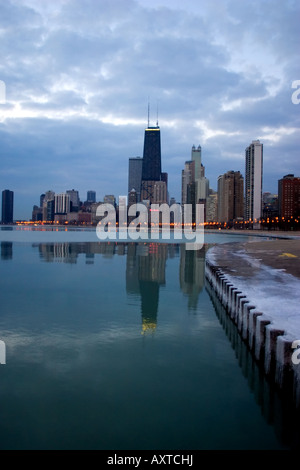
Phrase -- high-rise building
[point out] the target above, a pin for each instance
(202, 183)
(42, 198)
(91, 197)
(74, 200)
(253, 181)
(37, 214)
(212, 206)
(62, 204)
(7, 206)
(187, 177)
(135, 176)
(194, 184)
(151, 169)
(110, 199)
(230, 196)
(50, 210)
(49, 196)
(289, 196)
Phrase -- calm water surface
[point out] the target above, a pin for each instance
(123, 346)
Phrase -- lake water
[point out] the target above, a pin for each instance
(123, 346)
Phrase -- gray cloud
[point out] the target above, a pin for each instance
(79, 73)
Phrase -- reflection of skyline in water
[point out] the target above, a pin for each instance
(145, 269)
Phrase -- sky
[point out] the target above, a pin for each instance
(79, 75)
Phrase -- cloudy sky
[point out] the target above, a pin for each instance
(79, 74)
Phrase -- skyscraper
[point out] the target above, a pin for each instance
(47, 213)
(151, 169)
(74, 200)
(194, 185)
(253, 181)
(7, 207)
(187, 177)
(230, 196)
(135, 176)
(62, 204)
(289, 196)
(91, 197)
(202, 183)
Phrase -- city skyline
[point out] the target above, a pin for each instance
(73, 116)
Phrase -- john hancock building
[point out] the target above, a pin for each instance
(154, 182)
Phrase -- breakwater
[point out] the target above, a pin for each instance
(271, 345)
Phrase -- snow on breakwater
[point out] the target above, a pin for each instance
(264, 303)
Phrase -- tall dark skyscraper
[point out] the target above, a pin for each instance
(151, 171)
(7, 207)
(152, 155)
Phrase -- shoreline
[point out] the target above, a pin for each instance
(258, 283)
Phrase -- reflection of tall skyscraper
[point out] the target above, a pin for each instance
(7, 207)
(145, 273)
(135, 176)
(192, 274)
(6, 250)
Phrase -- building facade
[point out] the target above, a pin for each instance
(62, 204)
(135, 176)
(7, 206)
(151, 168)
(230, 197)
(187, 178)
(91, 197)
(253, 181)
(74, 200)
(289, 197)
